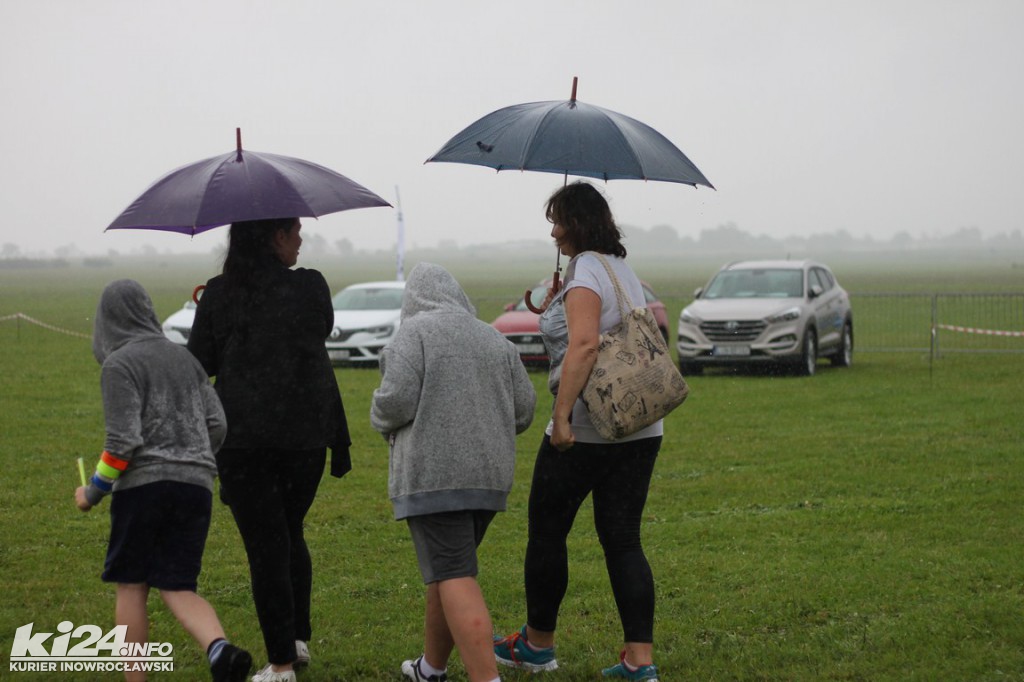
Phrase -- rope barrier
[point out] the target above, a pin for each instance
(39, 323)
(947, 327)
(973, 330)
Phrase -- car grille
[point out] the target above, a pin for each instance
(733, 330)
(524, 338)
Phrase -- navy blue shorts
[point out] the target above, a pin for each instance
(157, 535)
(446, 543)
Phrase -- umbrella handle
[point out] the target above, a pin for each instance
(196, 292)
(555, 285)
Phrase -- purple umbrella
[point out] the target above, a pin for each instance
(242, 186)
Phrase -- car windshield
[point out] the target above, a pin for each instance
(759, 283)
(368, 299)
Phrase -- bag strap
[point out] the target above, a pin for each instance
(625, 303)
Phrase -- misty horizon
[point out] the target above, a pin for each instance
(873, 120)
(662, 239)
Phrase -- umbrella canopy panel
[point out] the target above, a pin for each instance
(573, 138)
(242, 185)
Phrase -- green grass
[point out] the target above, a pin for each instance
(863, 524)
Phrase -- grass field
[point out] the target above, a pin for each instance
(863, 524)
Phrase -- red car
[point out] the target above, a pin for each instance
(520, 326)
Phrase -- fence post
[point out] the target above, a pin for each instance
(935, 325)
(931, 355)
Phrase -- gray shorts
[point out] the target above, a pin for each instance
(446, 542)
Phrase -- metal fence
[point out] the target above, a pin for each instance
(939, 323)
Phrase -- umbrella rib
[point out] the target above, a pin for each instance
(540, 123)
(629, 143)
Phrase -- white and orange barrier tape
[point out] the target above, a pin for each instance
(39, 323)
(973, 330)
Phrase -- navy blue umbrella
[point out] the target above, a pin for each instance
(570, 138)
(242, 185)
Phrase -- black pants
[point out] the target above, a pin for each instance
(269, 492)
(619, 476)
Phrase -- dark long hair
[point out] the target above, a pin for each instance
(584, 214)
(251, 250)
(250, 256)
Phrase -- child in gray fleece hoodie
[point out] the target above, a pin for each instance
(453, 396)
(163, 422)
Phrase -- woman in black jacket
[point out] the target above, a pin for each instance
(260, 329)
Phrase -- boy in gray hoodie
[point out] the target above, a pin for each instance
(163, 423)
(453, 396)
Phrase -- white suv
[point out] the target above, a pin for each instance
(776, 312)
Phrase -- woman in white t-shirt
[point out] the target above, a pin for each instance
(574, 461)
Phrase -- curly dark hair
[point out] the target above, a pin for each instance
(583, 213)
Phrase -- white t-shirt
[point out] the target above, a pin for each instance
(586, 270)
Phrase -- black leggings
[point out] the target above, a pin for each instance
(269, 492)
(618, 475)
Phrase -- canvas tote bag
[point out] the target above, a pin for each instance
(634, 382)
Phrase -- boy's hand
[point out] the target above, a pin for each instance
(80, 500)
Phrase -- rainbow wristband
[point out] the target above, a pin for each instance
(108, 470)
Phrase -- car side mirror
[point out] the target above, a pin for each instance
(698, 291)
(816, 290)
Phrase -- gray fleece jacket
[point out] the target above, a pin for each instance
(163, 418)
(453, 396)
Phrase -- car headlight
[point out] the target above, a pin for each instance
(687, 318)
(381, 332)
(787, 315)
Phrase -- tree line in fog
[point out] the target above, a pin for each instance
(660, 240)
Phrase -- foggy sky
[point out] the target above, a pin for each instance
(873, 117)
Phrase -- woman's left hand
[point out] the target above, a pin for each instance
(562, 436)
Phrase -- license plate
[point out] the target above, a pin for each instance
(531, 348)
(732, 350)
(338, 354)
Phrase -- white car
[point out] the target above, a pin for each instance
(366, 318)
(177, 326)
(767, 312)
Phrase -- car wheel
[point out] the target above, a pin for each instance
(809, 357)
(844, 355)
(690, 368)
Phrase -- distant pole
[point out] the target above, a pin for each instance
(400, 275)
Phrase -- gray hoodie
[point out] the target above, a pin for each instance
(162, 416)
(454, 394)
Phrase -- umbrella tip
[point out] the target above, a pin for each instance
(574, 80)
(238, 143)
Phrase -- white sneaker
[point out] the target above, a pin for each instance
(301, 653)
(411, 670)
(267, 674)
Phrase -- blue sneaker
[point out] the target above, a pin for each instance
(514, 652)
(649, 673)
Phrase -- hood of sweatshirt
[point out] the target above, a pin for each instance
(125, 314)
(431, 289)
